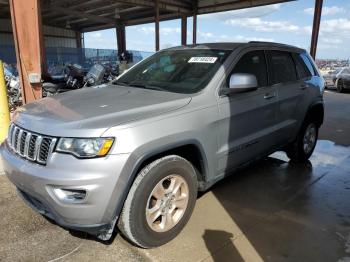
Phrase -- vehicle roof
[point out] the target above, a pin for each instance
(234, 45)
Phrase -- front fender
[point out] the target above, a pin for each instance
(134, 163)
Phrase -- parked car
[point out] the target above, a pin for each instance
(330, 77)
(342, 79)
(136, 152)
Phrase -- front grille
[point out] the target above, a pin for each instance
(31, 146)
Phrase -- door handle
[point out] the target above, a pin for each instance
(269, 95)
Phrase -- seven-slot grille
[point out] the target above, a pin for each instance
(29, 145)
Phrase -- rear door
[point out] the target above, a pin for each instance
(291, 90)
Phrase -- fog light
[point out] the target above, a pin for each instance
(70, 195)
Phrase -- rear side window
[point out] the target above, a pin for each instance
(308, 64)
(302, 69)
(282, 67)
(253, 63)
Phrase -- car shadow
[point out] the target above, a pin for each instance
(253, 194)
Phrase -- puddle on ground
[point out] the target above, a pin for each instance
(326, 153)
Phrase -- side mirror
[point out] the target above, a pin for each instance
(241, 82)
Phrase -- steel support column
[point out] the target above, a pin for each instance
(157, 24)
(183, 30)
(194, 28)
(29, 44)
(316, 27)
(78, 39)
(121, 41)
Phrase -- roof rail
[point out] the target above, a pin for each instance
(265, 42)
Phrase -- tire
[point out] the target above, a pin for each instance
(340, 86)
(297, 151)
(136, 225)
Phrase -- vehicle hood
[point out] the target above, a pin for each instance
(90, 111)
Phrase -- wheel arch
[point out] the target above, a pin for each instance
(191, 150)
(316, 111)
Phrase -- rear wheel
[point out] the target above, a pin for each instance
(160, 202)
(340, 85)
(302, 148)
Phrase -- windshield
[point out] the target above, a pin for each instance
(336, 71)
(180, 71)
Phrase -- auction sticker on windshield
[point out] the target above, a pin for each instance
(203, 59)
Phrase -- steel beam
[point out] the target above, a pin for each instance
(164, 5)
(157, 24)
(211, 6)
(29, 44)
(316, 27)
(183, 29)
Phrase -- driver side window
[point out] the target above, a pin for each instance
(254, 63)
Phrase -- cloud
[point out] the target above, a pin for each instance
(259, 25)
(241, 38)
(96, 35)
(206, 35)
(163, 31)
(340, 26)
(98, 40)
(332, 40)
(327, 10)
(244, 13)
(334, 33)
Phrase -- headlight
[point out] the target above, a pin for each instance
(85, 147)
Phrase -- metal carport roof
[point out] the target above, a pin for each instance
(92, 15)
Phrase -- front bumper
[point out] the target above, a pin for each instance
(100, 177)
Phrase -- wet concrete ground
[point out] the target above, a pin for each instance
(272, 211)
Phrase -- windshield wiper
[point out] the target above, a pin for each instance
(147, 86)
(139, 85)
(120, 83)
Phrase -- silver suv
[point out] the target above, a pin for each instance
(135, 152)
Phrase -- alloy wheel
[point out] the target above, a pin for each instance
(309, 139)
(167, 203)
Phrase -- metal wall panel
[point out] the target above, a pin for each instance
(54, 37)
(51, 41)
(6, 39)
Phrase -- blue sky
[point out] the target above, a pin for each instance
(289, 23)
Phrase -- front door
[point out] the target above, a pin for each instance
(247, 120)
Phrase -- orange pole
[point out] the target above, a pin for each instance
(29, 44)
(316, 27)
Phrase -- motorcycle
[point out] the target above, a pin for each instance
(70, 78)
(14, 95)
(75, 79)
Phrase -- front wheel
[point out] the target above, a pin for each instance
(160, 202)
(302, 148)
